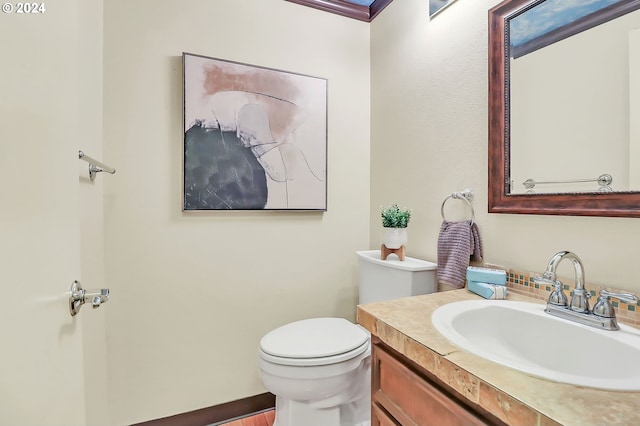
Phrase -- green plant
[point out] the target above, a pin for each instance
(394, 217)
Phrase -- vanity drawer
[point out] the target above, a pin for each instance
(380, 418)
(398, 392)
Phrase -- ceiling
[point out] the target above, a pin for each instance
(363, 10)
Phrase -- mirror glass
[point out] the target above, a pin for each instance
(564, 107)
(571, 101)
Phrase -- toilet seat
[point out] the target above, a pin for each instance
(315, 341)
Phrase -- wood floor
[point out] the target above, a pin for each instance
(265, 418)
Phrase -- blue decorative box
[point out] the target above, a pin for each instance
(486, 275)
(488, 291)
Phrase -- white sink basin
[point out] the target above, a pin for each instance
(522, 336)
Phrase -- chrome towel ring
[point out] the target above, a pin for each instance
(466, 196)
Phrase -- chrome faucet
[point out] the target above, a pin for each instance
(603, 315)
(580, 297)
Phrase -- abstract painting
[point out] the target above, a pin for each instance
(255, 138)
(436, 6)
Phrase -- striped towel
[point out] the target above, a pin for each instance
(458, 243)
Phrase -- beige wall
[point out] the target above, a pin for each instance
(194, 292)
(634, 107)
(429, 138)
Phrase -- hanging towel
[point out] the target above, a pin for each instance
(458, 243)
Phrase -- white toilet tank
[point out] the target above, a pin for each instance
(392, 278)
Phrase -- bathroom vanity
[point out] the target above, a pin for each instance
(405, 393)
(419, 377)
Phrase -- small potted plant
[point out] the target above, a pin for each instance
(395, 220)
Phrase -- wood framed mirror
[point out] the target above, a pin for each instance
(502, 198)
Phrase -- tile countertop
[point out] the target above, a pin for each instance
(514, 397)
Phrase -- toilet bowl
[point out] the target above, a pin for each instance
(319, 370)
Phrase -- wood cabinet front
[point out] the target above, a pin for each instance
(401, 394)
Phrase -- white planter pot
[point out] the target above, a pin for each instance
(395, 238)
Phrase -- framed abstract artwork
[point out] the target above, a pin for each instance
(255, 138)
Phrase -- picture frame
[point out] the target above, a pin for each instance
(362, 10)
(437, 6)
(255, 138)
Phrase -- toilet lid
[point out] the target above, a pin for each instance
(314, 338)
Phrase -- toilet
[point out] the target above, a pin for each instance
(319, 369)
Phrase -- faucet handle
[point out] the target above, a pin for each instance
(557, 296)
(604, 308)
